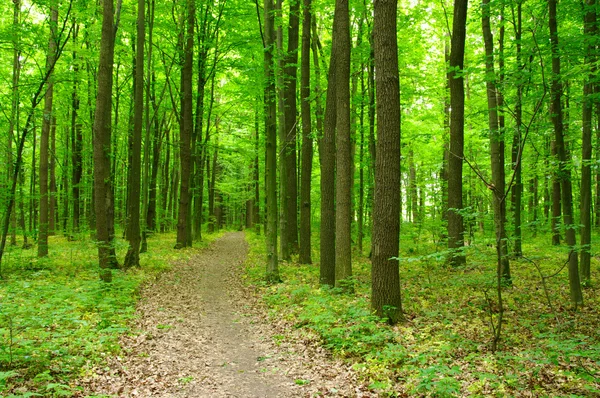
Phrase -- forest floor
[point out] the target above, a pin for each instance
(201, 333)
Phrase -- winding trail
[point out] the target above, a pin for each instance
(201, 335)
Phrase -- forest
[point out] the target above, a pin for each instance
(388, 198)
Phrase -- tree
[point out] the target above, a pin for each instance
(498, 184)
(385, 275)
(590, 29)
(102, 145)
(307, 143)
(45, 138)
(457, 126)
(564, 172)
(132, 258)
(186, 127)
(272, 272)
(288, 152)
(327, 164)
(344, 169)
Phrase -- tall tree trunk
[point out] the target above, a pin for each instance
(288, 152)
(590, 30)
(516, 151)
(556, 200)
(148, 193)
(256, 176)
(564, 169)
(186, 131)
(284, 247)
(361, 157)
(412, 204)
(385, 275)
(272, 271)
(457, 127)
(200, 149)
(327, 163)
(498, 184)
(33, 205)
(52, 208)
(102, 142)
(343, 194)
(446, 150)
(76, 139)
(307, 142)
(45, 137)
(132, 258)
(13, 123)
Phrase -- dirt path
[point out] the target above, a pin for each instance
(201, 337)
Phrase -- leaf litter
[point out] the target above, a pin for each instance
(200, 333)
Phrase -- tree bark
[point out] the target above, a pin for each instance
(498, 185)
(45, 137)
(102, 143)
(132, 258)
(14, 112)
(343, 194)
(385, 275)
(272, 271)
(288, 153)
(327, 163)
(307, 142)
(457, 126)
(564, 174)
(590, 31)
(184, 238)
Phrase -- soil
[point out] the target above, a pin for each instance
(201, 333)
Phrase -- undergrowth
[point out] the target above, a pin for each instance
(58, 320)
(443, 348)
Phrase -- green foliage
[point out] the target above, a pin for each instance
(443, 350)
(58, 320)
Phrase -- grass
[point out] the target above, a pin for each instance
(443, 349)
(58, 320)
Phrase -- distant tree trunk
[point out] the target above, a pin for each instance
(386, 299)
(307, 142)
(256, 210)
(132, 258)
(200, 149)
(412, 204)
(148, 194)
(284, 246)
(597, 196)
(590, 31)
(64, 188)
(102, 142)
(516, 152)
(33, 209)
(76, 140)
(288, 153)
(361, 157)
(166, 182)
(52, 209)
(211, 189)
(457, 126)
(272, 271)
(45, 137)
(13, 123)
(343, 194)
(564, 169)
(556, 201)
(186, 130)
(498, 187)
(327, 162)
(152, 188)
(446, 150)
